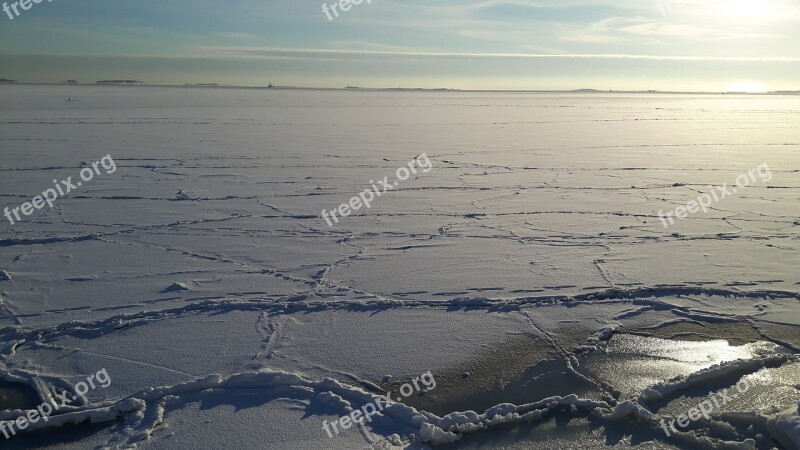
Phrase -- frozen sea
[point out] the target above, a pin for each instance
(527, 268)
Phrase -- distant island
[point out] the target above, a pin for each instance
(3, 80)
(412, 89)
(70, 82)
(118, 82)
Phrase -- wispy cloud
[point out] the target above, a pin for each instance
(269, 52)
(631, 29)
(234, 35)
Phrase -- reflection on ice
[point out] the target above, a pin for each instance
(633, 363)
(700, 354)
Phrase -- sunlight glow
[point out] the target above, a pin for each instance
(738, 11)
(746, 9)
(749, 87)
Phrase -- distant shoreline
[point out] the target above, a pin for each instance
(367, 89)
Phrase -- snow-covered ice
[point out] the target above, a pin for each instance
(528, 270)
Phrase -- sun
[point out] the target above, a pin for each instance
(738, 13)
(747, 9)
(748, 87)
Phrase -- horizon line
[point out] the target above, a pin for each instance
(360, 88)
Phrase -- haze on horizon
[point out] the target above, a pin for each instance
(681, 45)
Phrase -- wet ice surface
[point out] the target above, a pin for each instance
(528, 270)
(632, 364)
(17, 396)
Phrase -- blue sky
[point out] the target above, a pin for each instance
(468, 44)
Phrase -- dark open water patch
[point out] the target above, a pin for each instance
(521, 369)
(85, 435)
(18, 396)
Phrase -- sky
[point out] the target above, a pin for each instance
(680, 45)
